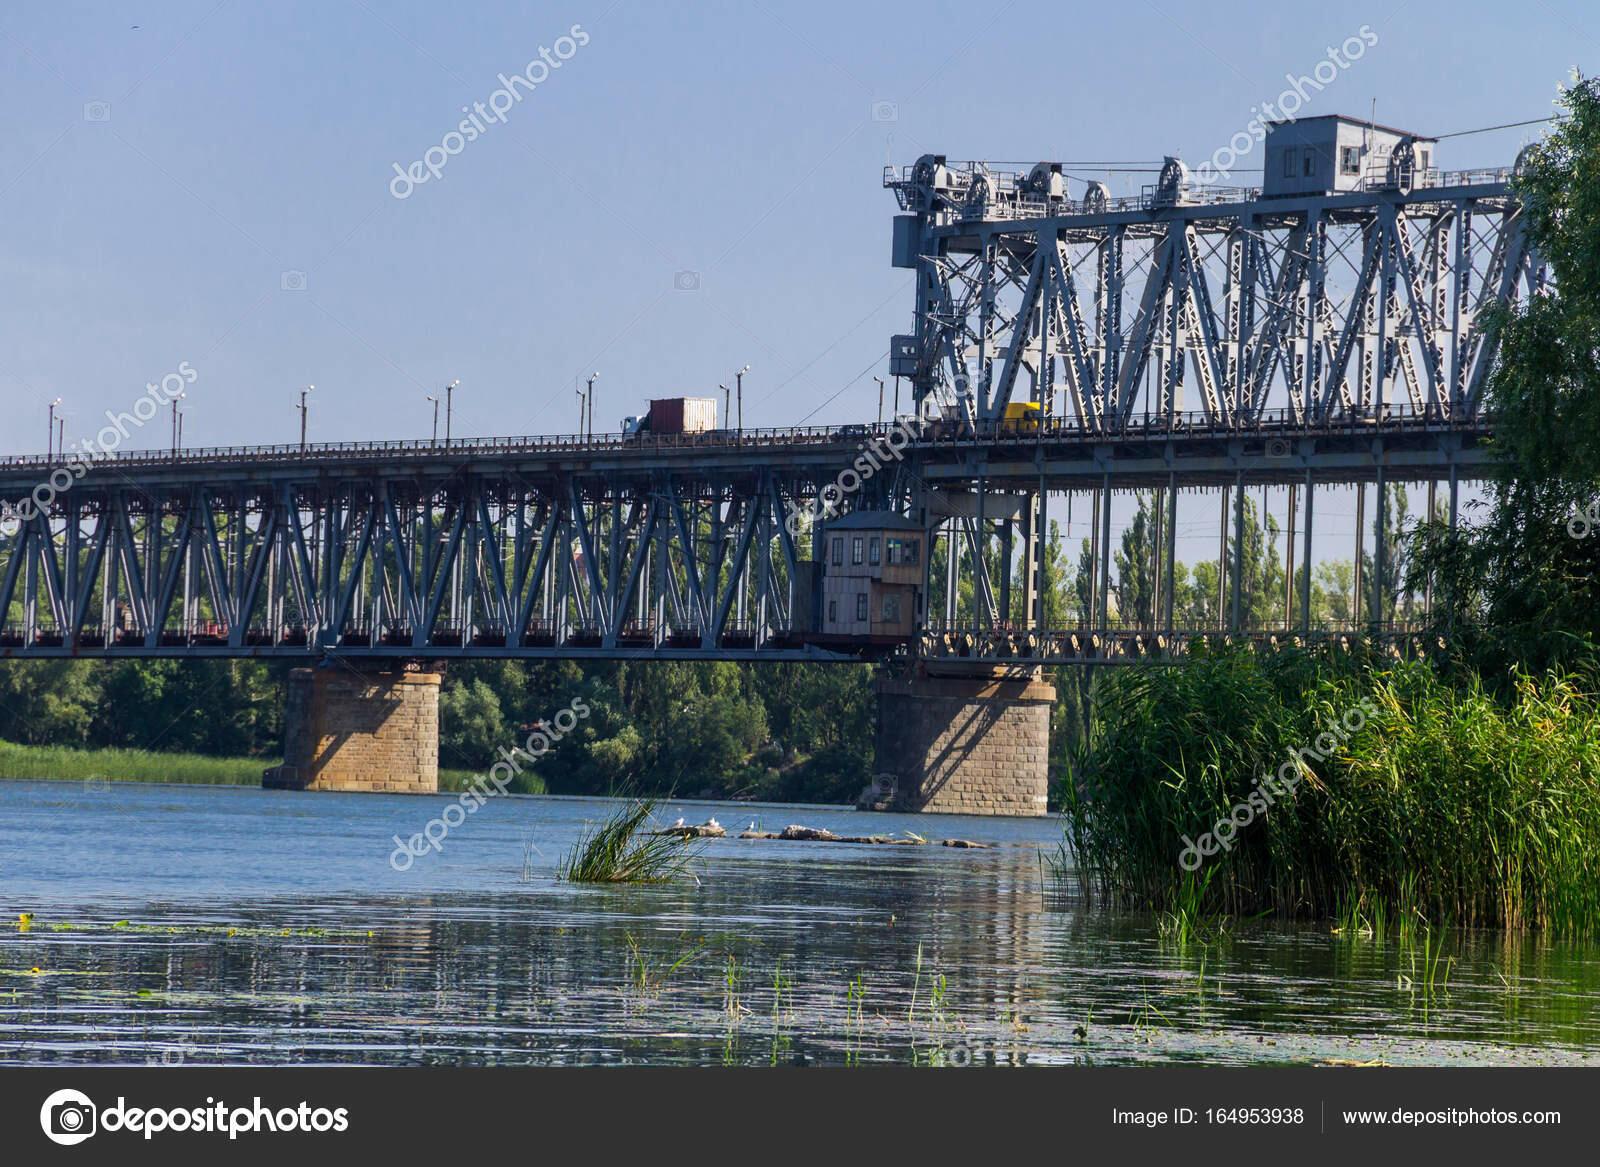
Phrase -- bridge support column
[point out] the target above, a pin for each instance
(976, 743)
(367, 730)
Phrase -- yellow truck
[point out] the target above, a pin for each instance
(1021, 417)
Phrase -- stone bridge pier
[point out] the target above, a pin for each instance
(367, 729)
(974, 742)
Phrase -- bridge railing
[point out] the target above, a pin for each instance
(1268, 423)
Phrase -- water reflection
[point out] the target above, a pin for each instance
(199, 926)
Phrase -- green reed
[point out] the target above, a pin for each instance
(1450, 804)
(619, 850)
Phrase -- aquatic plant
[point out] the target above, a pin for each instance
(1189, 920)
(916, 984)
(1451, 803)
(732, 984)
(620, 851)
(648, 976)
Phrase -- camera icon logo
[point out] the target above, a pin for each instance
(68, 1117)
(97, 111)
(292, 281)
(885, 111)
(686, 281)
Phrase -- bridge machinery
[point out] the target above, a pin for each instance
(1186, 339)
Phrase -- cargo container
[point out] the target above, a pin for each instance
(683, 415)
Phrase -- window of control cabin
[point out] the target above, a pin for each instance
(1311, 164)
(891, 609)
(1288, 163)
(1350, 160)
(838, 550)
(833, 611)
(861, 606)
(855, 551)
(874, 552)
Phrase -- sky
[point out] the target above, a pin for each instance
(688, 188)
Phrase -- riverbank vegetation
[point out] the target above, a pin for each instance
(778, 732)
(1449, 802)
(124, 765)
(110, 764)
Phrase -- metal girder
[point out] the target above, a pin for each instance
(1322, 305)
(462, 563)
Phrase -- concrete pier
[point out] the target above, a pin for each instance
(367, 730)
(977, 743)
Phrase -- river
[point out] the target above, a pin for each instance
(215, 925)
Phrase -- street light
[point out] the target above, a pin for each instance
(303, 408)
(61, 435)
(726, 396)
(435, 440)
(739, 376)
(879, 380)
(50, 430)
(449, 407)
(177, 420)
(589, 400)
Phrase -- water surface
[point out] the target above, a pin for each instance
(212, 925)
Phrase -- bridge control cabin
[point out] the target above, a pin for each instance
(1332, 154)
(872, 572)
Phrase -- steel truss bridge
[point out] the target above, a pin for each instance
(1186, 341)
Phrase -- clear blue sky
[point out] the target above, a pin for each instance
(238, 142)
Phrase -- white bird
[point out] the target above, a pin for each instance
(712, 823)
(679, 823)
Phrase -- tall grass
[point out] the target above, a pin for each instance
(118, 765)
(620, 851)
(114, 765)
(1451, 805)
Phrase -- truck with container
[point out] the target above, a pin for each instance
(673, 415)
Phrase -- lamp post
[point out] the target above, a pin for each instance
(449, 408)
(739, 378)
(177, 420)
(727, 395)
(588, 431)
(61, 435)
(879, 380)
(434, 441)
(303, 411)
(50, 431)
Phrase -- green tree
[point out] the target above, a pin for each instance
(1517, 589)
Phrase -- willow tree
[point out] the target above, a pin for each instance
(1521, 586)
